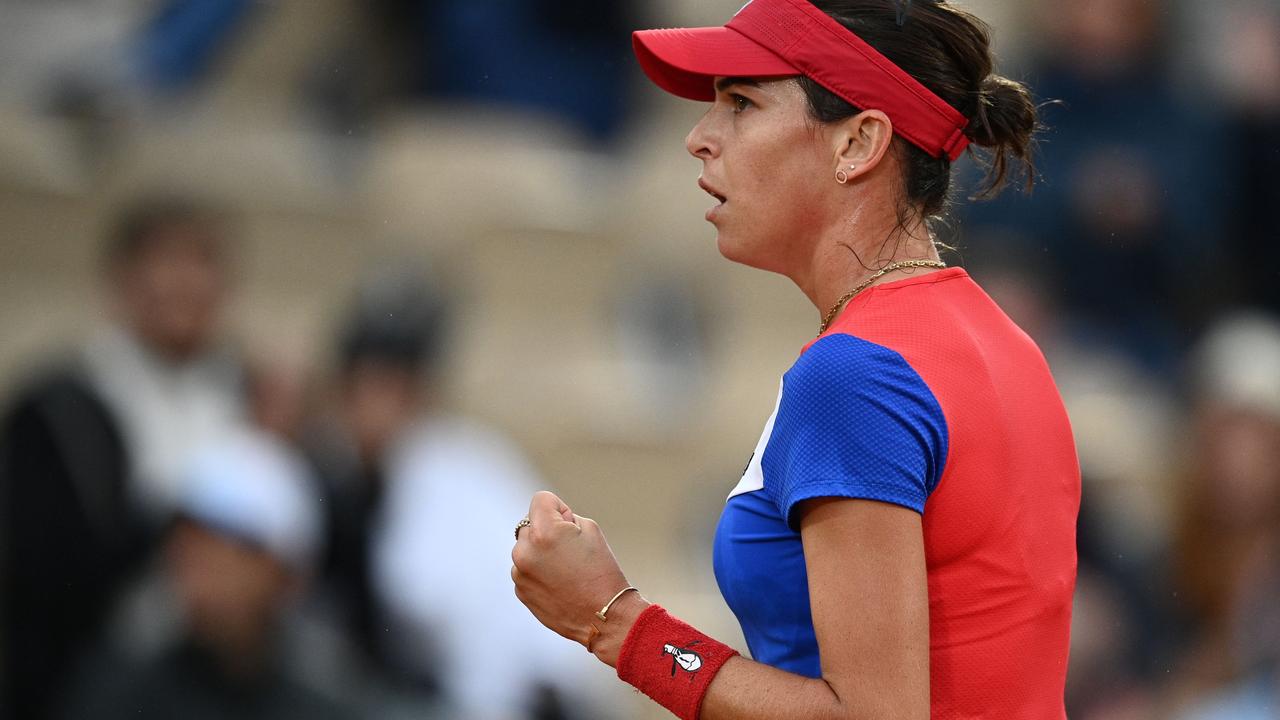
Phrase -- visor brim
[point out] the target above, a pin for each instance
(685, 61)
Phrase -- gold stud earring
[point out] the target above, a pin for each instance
(842, 177)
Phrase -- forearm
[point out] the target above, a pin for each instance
(748, 690)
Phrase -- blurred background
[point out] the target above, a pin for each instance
(301, 300)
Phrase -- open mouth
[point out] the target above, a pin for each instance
(711, 191)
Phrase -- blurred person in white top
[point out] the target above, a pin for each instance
(433, 612)
(161, 363)
(92, 445)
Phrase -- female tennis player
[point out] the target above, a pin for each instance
(902, 544)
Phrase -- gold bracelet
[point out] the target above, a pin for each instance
(609, 604)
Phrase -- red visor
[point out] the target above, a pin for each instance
(781, 38)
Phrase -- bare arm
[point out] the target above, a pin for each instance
(869, 598)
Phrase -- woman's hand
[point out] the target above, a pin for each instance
(564, 572)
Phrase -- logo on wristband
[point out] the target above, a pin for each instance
(683, 659)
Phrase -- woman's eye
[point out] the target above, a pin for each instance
(740, 103)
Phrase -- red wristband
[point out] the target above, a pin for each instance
(670, 661)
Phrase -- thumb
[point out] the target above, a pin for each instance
(547, 509)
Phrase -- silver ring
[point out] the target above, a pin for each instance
(520, 526)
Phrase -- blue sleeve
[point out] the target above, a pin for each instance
(856, 421)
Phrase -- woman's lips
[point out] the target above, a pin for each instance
(710, 190)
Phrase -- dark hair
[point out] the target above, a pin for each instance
(949, 51)
(400, 318)
(139, 227)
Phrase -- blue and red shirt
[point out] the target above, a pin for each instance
(923, 394)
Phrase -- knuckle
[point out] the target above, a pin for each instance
(590, 527)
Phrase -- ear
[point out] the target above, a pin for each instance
(861, 142)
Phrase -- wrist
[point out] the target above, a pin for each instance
(612, 633)
(671, 661)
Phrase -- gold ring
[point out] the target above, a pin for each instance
(520, 526)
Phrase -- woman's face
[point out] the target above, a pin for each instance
(770, 167)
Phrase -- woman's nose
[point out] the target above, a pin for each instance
(698, 142)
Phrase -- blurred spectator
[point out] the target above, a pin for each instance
(91, 450)
(404, 483)
(242, 546)
(565, 57)
(1132, 196)
(1229, 544)
(162, 367)
(1244, 38)
(388, 346)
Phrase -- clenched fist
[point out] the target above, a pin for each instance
(564, 571)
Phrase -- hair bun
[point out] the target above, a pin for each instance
(1005, 116)
(1005, 122)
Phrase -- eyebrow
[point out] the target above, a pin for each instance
(725, 83)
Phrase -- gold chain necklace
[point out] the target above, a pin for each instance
(831, 314)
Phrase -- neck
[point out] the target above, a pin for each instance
(849, 252)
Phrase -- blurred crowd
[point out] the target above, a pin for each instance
(189, 534)
(190, 527)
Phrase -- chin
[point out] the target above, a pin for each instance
(730, 250)
(734, 248)
(725, 245)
